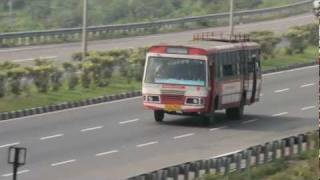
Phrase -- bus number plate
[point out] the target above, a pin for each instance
(172, 107)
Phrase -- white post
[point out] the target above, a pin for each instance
(231, 25)
(84, 29)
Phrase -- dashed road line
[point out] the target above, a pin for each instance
(281, 90)
(8, 145)
(183, 136)
(19, 172)
(218, 128)
(51, 137)
(63, 162)
(147, 144)
(249, 121)
(92, 128)
(129, 121)
(307, 85)
(307, 108)
(107, 153)
(280, 114)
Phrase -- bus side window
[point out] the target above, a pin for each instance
(227, 70)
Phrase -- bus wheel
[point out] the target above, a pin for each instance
(235, 113)
(159, 115)
(209, 120)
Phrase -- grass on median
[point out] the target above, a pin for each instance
(303, 167)
(35, 99)
(118, 85)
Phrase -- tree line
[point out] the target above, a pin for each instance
(98, 68)
(52, 14)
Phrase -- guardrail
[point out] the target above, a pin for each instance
(238, 161)
(100, 32)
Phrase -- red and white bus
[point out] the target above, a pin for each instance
(202, 76)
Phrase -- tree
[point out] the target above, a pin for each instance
(298, 39)
(267, 41)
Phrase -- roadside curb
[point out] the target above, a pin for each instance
(102, 99)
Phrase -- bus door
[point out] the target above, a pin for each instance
(212, 92)
(255, 69)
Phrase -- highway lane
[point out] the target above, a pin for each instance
(63, 52)
(102, 142)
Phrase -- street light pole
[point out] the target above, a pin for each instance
(84, 29)
(231, 25)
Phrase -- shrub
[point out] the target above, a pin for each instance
(3, 79)
(71, 75)
(15, 76)
(298, 39)
(41, 77)
(267, 41)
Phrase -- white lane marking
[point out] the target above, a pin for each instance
(226, 154)
(280, 114)
(68, 110)
(183, 136)
(51, 137)
(147, 144)
(107, 153)
(249, 121)
(92, 129)
(8, 145)
(307, 85)
(307, 108)
(129, 121)
(293, 70)
(32, 59)
(19, 172)
(261, 94)
(281, 90)
(218, 128)
(63, 162)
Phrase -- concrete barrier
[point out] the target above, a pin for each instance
(233, 162)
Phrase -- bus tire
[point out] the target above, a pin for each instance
(159, 115)
(235, 113)
(209, 120)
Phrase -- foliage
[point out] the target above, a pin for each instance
(267, 40)
(71, 75)
(298, 38)
(15, 77)
(53, 14)
(3, 79)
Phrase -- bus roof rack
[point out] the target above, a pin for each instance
(221, 37)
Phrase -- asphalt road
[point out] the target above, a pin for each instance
(63, 52)
(115, 140)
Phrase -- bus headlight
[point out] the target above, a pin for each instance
(152, 99)
(194, 101)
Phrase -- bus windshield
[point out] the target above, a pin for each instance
(165, 70)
